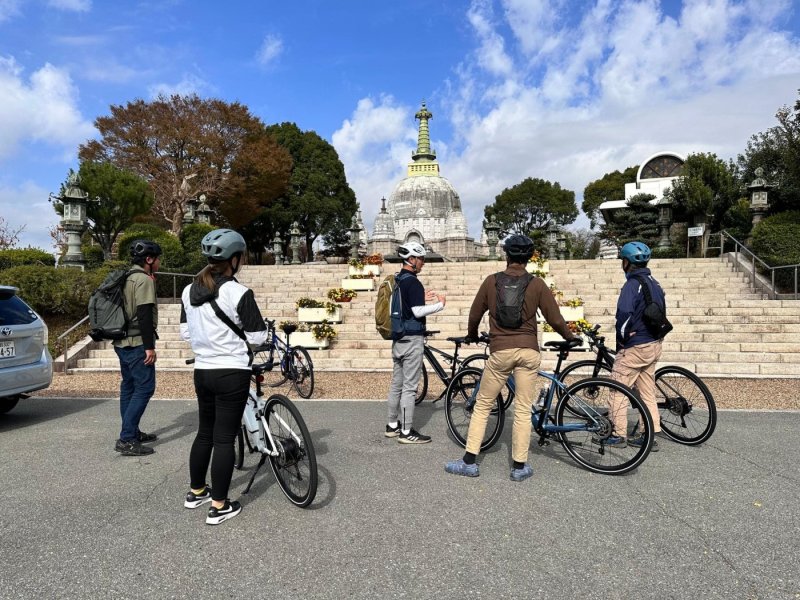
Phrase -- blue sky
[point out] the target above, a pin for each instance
(564, 90)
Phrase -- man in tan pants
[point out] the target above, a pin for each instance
(512, 299)
(638, 350)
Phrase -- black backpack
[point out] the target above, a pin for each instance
(510, 298)
(107, 316)
(654, 315)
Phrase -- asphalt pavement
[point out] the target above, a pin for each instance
(81, 521)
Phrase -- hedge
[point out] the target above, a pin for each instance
(172, 259)
(53, 291)
(776, 239)
(16, 257)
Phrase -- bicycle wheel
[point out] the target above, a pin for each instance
(578, 371)
(585, 406)
(685, 404)
(301, 371)
(295, 465)
(279, 373)
(459, 404)
(422, 386)
(583, 369)
(238, 449)
(478, 361)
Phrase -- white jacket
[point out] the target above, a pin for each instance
(214, 344)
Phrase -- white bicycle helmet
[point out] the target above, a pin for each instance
(410, 249)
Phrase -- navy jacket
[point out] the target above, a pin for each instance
(631, 330)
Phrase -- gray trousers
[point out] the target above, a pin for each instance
(407, 357)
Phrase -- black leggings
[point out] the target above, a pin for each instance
(221, 398)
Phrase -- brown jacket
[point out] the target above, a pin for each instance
(537, 296)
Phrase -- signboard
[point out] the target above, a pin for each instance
(695, 231)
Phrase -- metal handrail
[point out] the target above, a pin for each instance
(756, 279)
(86, 318)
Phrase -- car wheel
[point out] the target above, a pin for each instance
(6, 404)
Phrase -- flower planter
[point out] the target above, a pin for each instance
(335, 260)
(532, 266)
(374, 269)
(318, 315)
(360, 285)
(571, 313)
(305, 339)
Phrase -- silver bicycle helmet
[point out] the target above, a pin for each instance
(221, 244)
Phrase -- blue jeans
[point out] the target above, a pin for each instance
(137, 387)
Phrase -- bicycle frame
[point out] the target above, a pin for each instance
(429, 353)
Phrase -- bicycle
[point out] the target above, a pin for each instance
(275, 428)
(580, 420)
(686, 406)
(294, 365)
(477, 360)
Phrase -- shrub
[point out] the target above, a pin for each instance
(15, 257)
(776, 239)
(671, 252)
(190, 239)
(93, 255)
(53, 291)
(172, 258)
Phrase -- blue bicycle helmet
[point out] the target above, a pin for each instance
(637, 253)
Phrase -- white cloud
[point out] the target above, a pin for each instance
(189, 84)
(73, 5)
(374, 145)
(8, 9)
(26, 205)
(43, 109)
(570, 100)
(270, 49)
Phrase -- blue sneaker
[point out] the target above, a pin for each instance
(522, 474)
(612, 441)
(459, 467)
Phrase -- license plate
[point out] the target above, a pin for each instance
(7, 349)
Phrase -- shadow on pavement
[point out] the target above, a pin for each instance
(32, 411)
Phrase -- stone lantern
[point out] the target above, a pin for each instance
(191, 211)
(562, 245)
(203, 211)
(354, 239)
(277, 248)
(295, 232)
(492, 237)
(664, 221)
(759, 204)
(73, 221)
(552, 240)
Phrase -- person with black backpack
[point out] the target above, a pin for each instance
(407, 351)
(641, 324)
(137, 350)
(221, 320)
(512, 298)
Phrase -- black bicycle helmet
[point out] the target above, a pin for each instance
(144, 248)
(519, 248)
(221, 244)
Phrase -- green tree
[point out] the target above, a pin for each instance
(636, 222)
(777, 151)
(116, 197)
(318, 196)
(185, 146)
(530, 205)
(705, 192)
(610, 186)
(583, 244)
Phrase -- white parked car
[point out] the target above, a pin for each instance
(25, 361)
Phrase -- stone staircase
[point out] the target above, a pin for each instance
(722, 327)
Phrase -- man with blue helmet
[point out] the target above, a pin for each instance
(638, 350)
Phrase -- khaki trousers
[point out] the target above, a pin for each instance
(523, 363)
(636, 368)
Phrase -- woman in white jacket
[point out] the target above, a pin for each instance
(220, 318)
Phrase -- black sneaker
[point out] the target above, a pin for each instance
(637, 442)
(219, 515)
(196, 500)
(392, 431)
(413, 437)
(147, 437)
(132, 448)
